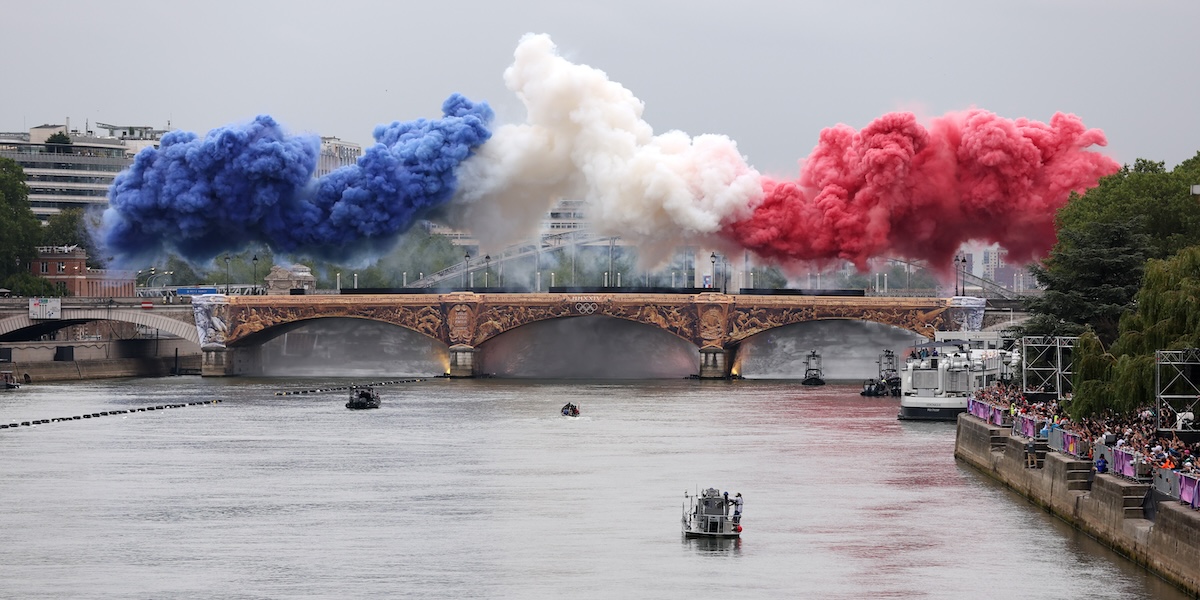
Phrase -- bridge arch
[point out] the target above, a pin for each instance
(495, 320)
(255, 337)
(588, 347)
(12, 328)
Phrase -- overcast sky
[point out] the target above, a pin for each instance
(770, 75)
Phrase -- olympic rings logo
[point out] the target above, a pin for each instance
(586, 308)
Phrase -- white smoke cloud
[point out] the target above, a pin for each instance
(584, 138)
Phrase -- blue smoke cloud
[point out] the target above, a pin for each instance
(252, 183)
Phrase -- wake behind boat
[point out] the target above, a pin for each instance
(363, 397)
(707, 514)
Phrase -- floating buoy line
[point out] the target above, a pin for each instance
(103, 413)
(106, 413)
(346, 387)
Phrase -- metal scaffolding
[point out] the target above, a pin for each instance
(1177, 388)
(1047, 364)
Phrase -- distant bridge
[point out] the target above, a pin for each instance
(17, 324)
(232, 329)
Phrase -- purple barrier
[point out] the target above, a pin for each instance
(1187, 489)
(997, 416)
(1026, 426)
(977, 408)
(1075, 445)
(1123, 464)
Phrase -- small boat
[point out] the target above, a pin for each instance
(570, 410)
(8, 381)
(812, 370)
(363, 397)
(707, 514)
(888, 383)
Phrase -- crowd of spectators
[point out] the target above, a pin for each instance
(1135, 433)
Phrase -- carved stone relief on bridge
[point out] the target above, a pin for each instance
(712, 326)
(747, 321)
(495, 319)
(255, 318)
(673, 318)
(460, 324)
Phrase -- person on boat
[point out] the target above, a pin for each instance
(737, 507)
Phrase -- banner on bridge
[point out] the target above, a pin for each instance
(195, 291)
(45, 308)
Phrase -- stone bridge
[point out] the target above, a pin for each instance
(232, 329)
(18, 324)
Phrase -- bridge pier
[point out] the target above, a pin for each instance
(714, 363)
(228, 362)
(462, 361)
(218, 362)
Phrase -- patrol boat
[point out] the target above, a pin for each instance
(363, 397)
(888, 383)
(707, 514)
(812, 370)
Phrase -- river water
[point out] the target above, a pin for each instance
(479, 489)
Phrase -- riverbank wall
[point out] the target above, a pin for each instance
(1110, 508)
(35, 362)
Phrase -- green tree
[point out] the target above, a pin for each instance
(1090, 278)
(1167, 317)
(28, 284)
(59, 143)
(66, 229)
(1168, 212)
(1142, 212)
(19, 226)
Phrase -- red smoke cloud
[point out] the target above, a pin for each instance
(901, 189)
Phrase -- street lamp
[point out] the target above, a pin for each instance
(487, 265)
(611, 242)
(960, 272)
(713, 272)
(466, 267)
(255, 282)
(226, 274)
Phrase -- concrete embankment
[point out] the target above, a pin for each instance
(1108, 507)
(103, 368)
(33, 362)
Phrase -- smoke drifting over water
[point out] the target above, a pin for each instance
(589, 348)
(896, 188)
(849, 349)
(338, 347)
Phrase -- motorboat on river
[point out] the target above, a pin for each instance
(939, 376)
(888, 383)
(570, 410)
(707, 514)
(8, 381)
(363, 397)
(812, 370)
